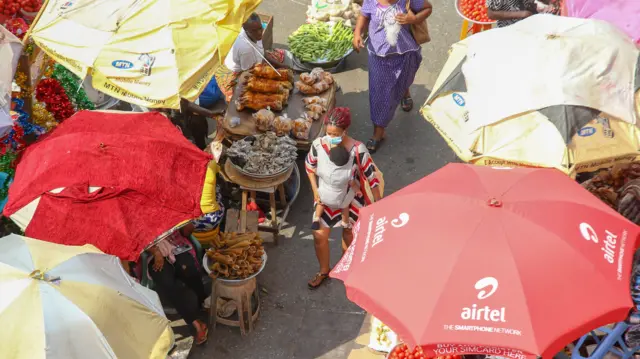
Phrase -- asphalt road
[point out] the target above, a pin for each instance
(296, 322)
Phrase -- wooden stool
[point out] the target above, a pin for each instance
(241, 293)
(465, 30)
(275, 227)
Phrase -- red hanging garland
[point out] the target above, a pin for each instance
(51, 92)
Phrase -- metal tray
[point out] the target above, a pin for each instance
(205, 264)
(260, 176)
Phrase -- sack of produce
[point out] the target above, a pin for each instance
(264, 119)
(301, 128)
(381, 338)
(282, 125)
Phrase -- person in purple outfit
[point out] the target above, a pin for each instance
(394, 57)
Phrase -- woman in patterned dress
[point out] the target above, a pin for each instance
(394, 57)
(508, 12)
(319, 166)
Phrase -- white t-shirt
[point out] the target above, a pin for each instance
(244, 53)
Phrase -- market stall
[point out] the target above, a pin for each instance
(291, 107)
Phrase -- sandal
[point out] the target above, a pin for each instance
(202, 336)
(373, 144)
(318, 280)
(407, 104)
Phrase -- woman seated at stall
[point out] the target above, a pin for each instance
(176, 273)
(246, 52)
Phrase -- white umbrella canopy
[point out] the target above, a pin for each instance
(10, 50)
(548, 60)
(72, 302)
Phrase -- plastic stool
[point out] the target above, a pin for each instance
(613, 342)
(242, 294)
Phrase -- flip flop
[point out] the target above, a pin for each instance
(407, 104)
(317, 281)
(373, 144)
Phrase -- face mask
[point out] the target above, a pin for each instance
(333, 141)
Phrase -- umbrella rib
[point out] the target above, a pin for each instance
(526, 300)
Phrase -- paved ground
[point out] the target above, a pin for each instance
(298, 323)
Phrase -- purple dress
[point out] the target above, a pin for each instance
(394, 57)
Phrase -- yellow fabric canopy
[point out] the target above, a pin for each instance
(147, 52)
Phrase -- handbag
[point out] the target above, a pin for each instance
(364, 184)
(419, 31)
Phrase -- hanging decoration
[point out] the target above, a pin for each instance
(43, 118)
(72, 87)
(7, 165)
(15, 139)
(52, 94)
(21, 80)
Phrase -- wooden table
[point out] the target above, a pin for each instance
(249, 187)
(294, 110)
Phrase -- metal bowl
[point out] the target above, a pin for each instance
(205, 264)
(261, 176)
(325, 64)
(466, 18)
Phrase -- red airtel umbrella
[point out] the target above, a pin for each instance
(475, 260)
(114, 180)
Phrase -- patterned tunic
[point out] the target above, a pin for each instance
(333, 216)
(510, 5)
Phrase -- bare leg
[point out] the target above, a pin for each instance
(347, 238)
(378, 133)
(321, 242)
(345, 217)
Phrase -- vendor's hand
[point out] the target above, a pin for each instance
(358, 43)
(158, 261)
(407, 19)
(525, 14)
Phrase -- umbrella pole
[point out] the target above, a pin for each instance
(34, 22)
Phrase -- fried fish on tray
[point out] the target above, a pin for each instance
(267, 72)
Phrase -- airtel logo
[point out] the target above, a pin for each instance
(588, 232)
(487, 287)
(401, 221)
(483, 283)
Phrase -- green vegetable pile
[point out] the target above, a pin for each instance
(316, 42)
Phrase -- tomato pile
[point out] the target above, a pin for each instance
(11, 7)
(475, 10)
(402, 351)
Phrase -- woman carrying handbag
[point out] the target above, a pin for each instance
(396, 30)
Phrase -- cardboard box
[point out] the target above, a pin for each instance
(267, 31)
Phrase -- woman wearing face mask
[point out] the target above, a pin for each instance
(333, 163)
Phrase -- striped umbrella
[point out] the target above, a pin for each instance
(74, 302)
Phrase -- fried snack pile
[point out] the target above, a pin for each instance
(315, 82)
(265, 88)
(619, 187)
(235, 255)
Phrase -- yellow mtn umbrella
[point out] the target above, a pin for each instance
(74, 302)
(147, 52)
(548, 91)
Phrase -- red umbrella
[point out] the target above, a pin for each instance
(477, 260)
(114, 180)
